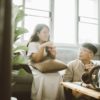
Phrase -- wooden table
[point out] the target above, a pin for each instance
(81, 89)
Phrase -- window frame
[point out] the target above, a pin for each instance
(90, 23)
(77, 20)
(51, 16)
(99, 21)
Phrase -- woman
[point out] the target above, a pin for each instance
(47, 86)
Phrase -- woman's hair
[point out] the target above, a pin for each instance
(34, 37)
(38, 28)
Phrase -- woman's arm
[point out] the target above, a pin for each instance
(52, 52)
(37, 57)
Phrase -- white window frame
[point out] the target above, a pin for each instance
(77, 18)
(99, 21)
(51, 15)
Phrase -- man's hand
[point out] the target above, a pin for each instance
(76, 94)
(88, 67)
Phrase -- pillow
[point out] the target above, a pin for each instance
(50, 65)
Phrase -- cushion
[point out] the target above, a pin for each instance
(50, 65)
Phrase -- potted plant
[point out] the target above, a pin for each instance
(18, 50)
(21, 74)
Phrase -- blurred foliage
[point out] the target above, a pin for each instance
(19, 51)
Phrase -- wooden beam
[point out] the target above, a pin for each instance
(5, 49)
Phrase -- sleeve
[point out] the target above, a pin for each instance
(68, 75)
(32, 48)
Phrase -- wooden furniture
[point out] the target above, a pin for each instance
(81, 89)
(22, 83)
(5, 49)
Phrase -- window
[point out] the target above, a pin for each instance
(38, 4)
(88, 33)
(88, 8)
(36, 12)
(70, 21)
(64, 21)
(17, 2)
(88, 21)
(65, 15)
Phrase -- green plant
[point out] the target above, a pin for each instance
(18, 16)
(18, 56)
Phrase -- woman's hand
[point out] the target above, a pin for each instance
(76, 94)
(52, 51)
(50, 47)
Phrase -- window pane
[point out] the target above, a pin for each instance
(31, 22)
(88, 8)
(88, 33)
(37, 4)
(36, 13)
(17, 2)
(88, 20)
(64, 21)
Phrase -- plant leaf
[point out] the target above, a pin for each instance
(19, 59)
(20, 48)
(19, 31)
(20, 16)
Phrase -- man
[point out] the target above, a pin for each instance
(77, 67)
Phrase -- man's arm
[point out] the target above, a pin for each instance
(68, 75)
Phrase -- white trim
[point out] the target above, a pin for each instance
(52, 20)
(77, 21)
(23, 5)
(98, 21)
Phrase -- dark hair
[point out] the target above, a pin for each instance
(38, 28)
(90, 47)
(34, 37)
